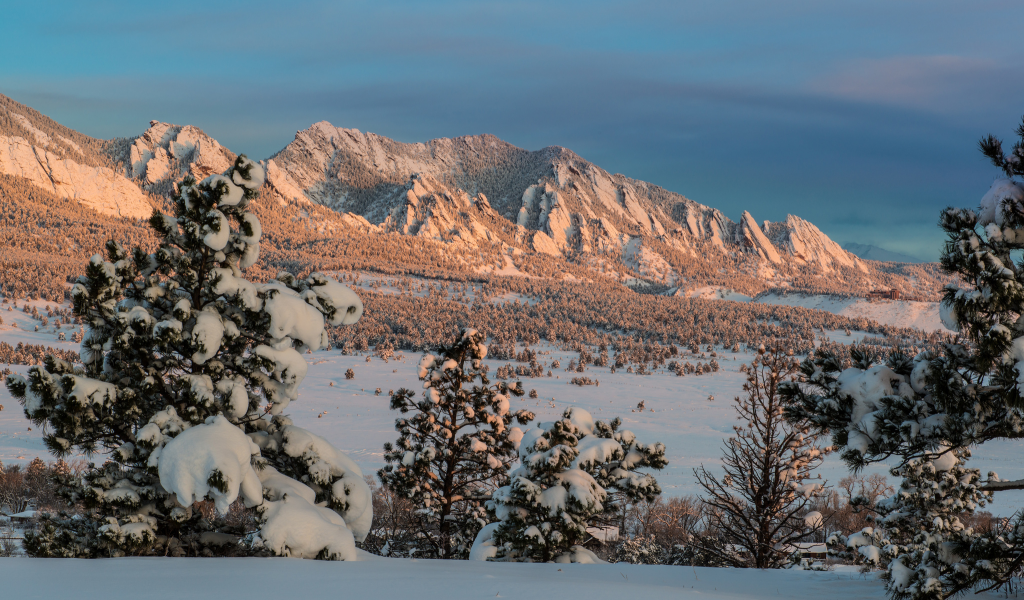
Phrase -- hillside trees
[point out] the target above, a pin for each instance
(930, 410)
(186, 369)
(454, 447)
(760, 504)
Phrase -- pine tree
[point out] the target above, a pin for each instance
(455, 448)
(186, 370)
(929, 411)
(570, 471)
(640, 550)
(759, 504)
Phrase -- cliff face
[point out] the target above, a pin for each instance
(808, 245)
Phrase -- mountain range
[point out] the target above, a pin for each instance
(871, 252)
(485, 205)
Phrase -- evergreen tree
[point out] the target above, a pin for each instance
(454, 449)
(760, 503)
(640, 550)
(929, 411)
(569, 469)
(186, 370)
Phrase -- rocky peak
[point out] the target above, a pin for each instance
(477, 192)
(751, 236)
(166, 152)
(807, 245)
(561, 204)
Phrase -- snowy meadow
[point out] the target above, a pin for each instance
(677, 410)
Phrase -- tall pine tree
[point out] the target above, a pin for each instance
(454, 447)
(929, 411)
(186, 370)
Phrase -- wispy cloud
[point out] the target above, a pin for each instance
(940, 83)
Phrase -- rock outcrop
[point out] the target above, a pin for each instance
(99, 188)
(807, 245)
(751, 236)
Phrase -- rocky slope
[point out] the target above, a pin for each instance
(48, 155)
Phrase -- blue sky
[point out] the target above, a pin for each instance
(862, 117)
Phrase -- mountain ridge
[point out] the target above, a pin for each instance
(554, 192)
(872, 252)
(484, 199)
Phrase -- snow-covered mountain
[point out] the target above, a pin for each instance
(482, 198)
(561, 204)
(165, 153)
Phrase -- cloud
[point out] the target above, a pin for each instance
(938, 83)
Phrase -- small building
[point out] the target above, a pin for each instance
(604, 534)
(893, 294)
(23, 517)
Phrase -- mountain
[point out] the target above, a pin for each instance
(869, 252)
(339, 197)
(561, 203)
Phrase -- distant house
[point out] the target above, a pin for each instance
(604, 534)
(893, 294)
(23, 517)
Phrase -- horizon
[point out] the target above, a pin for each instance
(863, 119)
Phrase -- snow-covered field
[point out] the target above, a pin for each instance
(901, 313)
(677, 410)
(717, 293)
(226, 578)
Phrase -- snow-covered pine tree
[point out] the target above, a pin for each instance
(929, 411)
(758, 506)
(454, 449)
(186, 370)
(569, 468)
(640, 550)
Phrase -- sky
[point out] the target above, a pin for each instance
(861, 117)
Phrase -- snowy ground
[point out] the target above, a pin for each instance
(206, 578)
(902, 313)
(677, 413)
(717, 293)
(677, 409)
